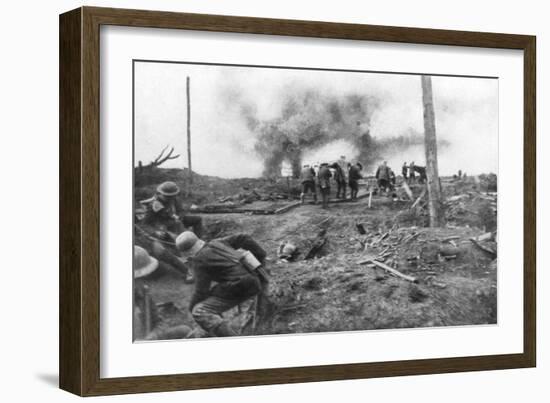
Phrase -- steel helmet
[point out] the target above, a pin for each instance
(189, 244)
(287, 249)
(144, 264)
(168, 189)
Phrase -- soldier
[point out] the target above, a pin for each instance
(162, 221)
(324, 176)
(412, 174)
(221, 262)
(344, 165)
(147, 321)
(383, 176)
(393, 179)
(354, 176)
(307, 177)
(405, 171)
(421, 171)
(163, 210)
(340, 178)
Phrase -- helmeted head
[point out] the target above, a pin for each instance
(189, 244)
(144, 264)
(168, 189)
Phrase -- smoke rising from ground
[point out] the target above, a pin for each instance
(246, 121)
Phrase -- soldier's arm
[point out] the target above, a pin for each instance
(246, 242)
(179, 207)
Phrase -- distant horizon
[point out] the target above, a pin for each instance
(397, 172)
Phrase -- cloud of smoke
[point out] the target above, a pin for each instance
(247, 121)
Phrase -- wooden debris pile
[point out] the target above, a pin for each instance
(471, 203)
(416, 254)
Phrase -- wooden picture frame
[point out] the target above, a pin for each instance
(79, 346)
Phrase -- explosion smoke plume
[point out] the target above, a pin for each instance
(309, 120)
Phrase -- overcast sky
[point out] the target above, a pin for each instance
(466, 112)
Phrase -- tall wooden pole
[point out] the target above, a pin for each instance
(434, 190)
(189, 130)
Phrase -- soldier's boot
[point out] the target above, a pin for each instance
(224, 329)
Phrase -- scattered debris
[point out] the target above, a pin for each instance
(416, 294)
(287, 251)
(381, 265)
(484, 248)
(361, 228)
(317, 245)
(313, 284)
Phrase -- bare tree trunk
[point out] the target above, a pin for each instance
(189, 131)
(434, 190)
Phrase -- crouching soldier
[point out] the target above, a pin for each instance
(220, 261)
(163, 210)
(147, 322)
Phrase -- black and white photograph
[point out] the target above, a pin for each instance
(273, 200)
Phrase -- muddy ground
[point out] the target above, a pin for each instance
(456, 279)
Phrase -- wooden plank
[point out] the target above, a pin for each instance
(389, 270)
(287, 207)
(484, 248)
(419, 198)
(408, 190)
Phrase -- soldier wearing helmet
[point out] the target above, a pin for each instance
(224, 277)
(163, 210)
(147, 321)
(163, 220)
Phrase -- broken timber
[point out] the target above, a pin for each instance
(287, 207)
(408, 190)
(484, 248)
(225, 209)
(389, 269)
(419, 198)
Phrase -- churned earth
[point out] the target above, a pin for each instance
(341, 289)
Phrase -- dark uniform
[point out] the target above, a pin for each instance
(422, 177)
(383, 177)
(405, 171)
(162, 222)
(340, 178)
(324, 176)
(218, 262)
(412, 174)
(354, 176)
(308, 182)
(166, 213)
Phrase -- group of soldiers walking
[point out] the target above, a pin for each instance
(225, 271)
(343, 173)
